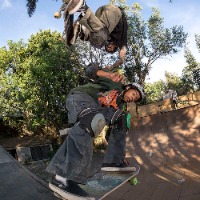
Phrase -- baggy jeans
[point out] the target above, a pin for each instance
(106, 16)
(73, 159)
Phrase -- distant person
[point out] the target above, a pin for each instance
(172, 94)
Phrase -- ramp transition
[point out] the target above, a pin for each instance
(167, 147)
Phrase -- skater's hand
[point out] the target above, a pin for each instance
(117, 77)
(114, 76)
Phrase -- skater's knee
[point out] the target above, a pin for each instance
(93, 122)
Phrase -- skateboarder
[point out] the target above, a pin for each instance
(107, 27)
(91, 107)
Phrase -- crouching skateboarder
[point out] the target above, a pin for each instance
(91, 107)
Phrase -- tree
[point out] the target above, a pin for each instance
(10, 62)
(37, 76)
(149, 41)
(88, 54)
(174, 82)
(31, 6)
(191, 73)
(154, 91)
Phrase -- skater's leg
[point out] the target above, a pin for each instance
(73, 158)
(91, 22)
(110, 15)
(115, 152)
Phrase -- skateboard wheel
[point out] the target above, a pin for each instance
(133, 181)
(57, 15)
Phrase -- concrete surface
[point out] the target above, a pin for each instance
(167, 146)
(17, 183)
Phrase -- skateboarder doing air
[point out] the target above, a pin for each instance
(107, 27)
(91, 107)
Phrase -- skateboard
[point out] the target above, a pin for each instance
(69, 27)
(102, 184)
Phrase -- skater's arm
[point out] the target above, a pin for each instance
(122, 53)
(94, 71)
(114, 76)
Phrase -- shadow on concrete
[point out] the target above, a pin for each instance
(17, 183)
(167, 146)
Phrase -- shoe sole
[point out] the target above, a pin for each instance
(98, 123)
(71, 12)
(67, 195)
(64, 131)
(118, 169)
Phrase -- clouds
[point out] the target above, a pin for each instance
(4, 4)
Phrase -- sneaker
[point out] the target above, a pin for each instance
(117, 167)
(72, 189)
(68, 28)
(83, 8)
(57, 183)
(98, 123)
(74, 5)
(64, 131)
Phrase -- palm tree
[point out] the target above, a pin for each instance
(31, 6)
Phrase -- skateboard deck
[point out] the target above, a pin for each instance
(68, 16)
(99, 187)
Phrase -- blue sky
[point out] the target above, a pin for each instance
(15, 24)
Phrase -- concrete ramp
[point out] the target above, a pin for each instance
(167, 146)
(17, 183)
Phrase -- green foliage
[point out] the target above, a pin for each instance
(154, 91)
(149, 41)
(35, 79)
(10, 66)
(87, 54)
(191, 73)
(176, 83)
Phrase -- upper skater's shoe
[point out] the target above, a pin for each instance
(117, 167)
(76, 6)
